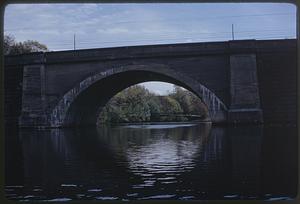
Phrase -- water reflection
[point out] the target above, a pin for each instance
(189, 161)
(151, 150)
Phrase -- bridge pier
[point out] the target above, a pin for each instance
(33, 97)
(244, 90)
(245, 116)
(218, 117)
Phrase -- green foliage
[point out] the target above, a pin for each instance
(11, 47)
(189, 102)
(130, 105)
(155, 107)
(137, 104)
(172, 107)
(183, 97)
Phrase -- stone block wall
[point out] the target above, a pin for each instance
(13, 77)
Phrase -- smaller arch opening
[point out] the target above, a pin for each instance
(153, 101)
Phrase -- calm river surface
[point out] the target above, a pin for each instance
(162, 161)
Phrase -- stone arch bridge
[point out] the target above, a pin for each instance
(244, 81)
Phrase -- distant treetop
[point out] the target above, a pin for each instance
(11, 47)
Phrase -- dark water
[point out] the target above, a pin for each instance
(140, 162)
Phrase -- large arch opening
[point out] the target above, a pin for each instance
(81, 105)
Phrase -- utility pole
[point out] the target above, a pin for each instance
(232, 31)
(74, 42)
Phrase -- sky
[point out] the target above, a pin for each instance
(114, 25)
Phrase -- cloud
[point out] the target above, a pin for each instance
(135, 24)
(112, 30)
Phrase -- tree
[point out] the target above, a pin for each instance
(183, 97)
(197, 106)
(172, 107)
(137, 104)
(155, 107)
(129, 105)
(8, 42)
(11, 47)
(189, 102)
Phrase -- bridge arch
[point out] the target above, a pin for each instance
(79, 106)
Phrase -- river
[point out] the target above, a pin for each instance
(189, 161)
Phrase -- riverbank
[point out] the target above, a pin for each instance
(154, 123)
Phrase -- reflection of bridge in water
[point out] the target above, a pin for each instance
(215, 160)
